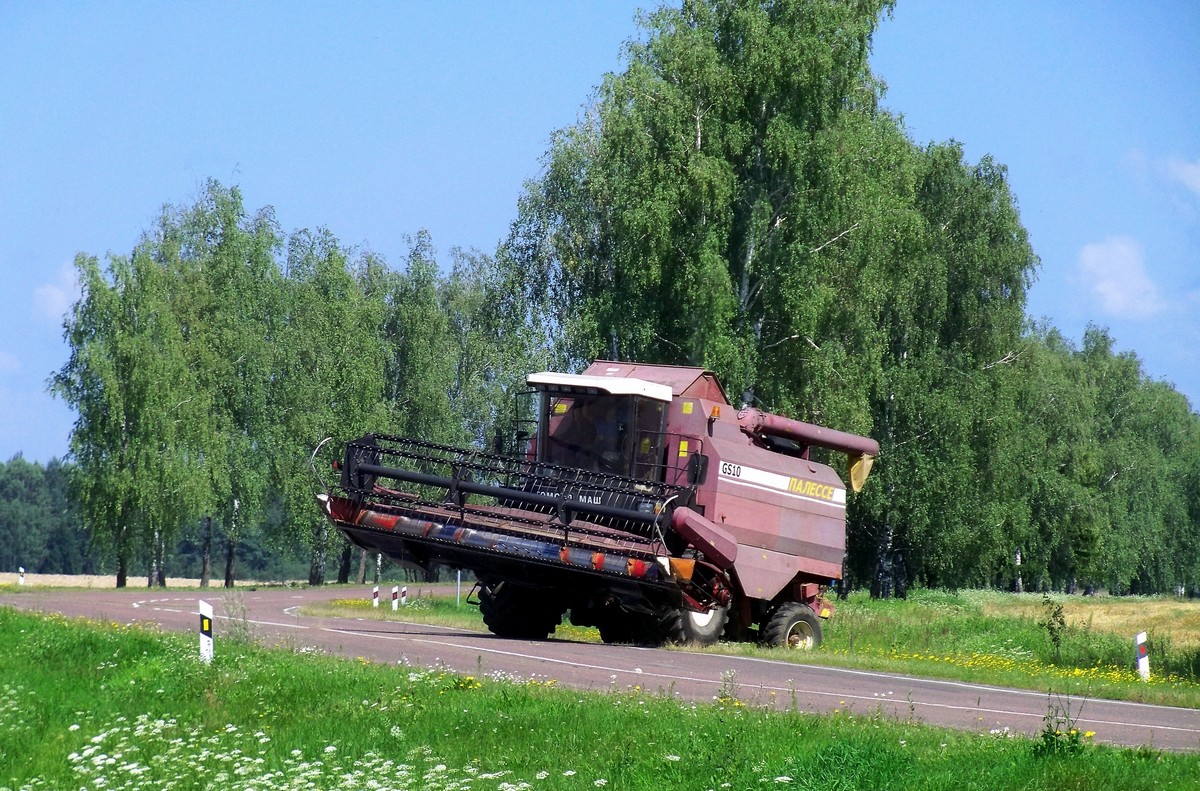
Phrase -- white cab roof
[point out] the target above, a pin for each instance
(612, 385)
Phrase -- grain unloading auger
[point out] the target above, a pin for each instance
(643, 504)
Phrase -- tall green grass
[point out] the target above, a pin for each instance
(95, 705)
(939, 621)
(960, 636)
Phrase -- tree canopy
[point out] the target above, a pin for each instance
(737, 198)
(207, 365)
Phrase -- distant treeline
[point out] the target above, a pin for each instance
(735, 198)
(41, 532)
(39, 524)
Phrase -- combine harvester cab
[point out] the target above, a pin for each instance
(643, 504)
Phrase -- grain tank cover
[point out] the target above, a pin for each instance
(582, 384)
(681, 379)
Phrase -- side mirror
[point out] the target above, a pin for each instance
(697, 469)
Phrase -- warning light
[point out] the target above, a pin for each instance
(716, 412)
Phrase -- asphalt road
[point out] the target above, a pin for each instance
(273, 617)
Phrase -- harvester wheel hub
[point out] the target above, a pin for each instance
(800, 636)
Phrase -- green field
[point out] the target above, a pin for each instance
(97, 705)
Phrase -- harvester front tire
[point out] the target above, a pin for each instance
(794, 626)
(699, 628)
(519, 613)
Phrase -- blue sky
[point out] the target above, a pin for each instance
(379, 119)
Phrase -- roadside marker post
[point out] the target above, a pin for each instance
(375, 597)
(395, 597)
(206, 632)
(1143, 656)
(404, 595)
(21, 579)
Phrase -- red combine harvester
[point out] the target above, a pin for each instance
(642, 503)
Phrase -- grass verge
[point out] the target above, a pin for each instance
(100, 705)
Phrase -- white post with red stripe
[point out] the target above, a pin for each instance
(404, 595)
(1143, 656)
(375, 597)
(395, 597)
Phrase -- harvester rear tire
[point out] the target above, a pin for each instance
(794, 626)
(519, 613)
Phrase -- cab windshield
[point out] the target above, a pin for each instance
(616, 435)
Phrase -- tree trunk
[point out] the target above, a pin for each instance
(158, 575)
(122, 559)
(883, 578)
(881, 582)
(843, 585)
(206, 553)
(900, 574)
(316, 571)
(160, 547)
(230, 559)
(748, 393)
(152, 575)
(362, 567)
(344, 565)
